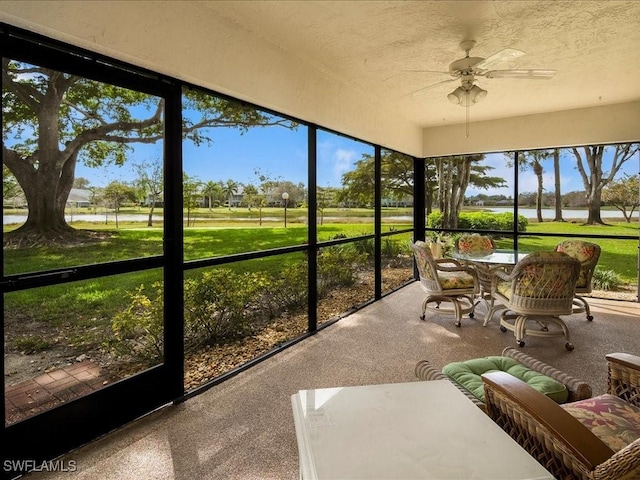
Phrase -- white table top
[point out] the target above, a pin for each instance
(425, 430)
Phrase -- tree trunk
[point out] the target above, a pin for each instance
(537, 170)
(153, 206)
(46, 178)
(594, 179)
(594, 203)
(46, 200)
(557, 193)
(428, 200)
(453, 178)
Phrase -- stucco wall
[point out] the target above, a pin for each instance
(607, 124)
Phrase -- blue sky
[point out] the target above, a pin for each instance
(570, 179)
(276, 151)
(282, 154)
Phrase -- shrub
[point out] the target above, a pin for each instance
(605, 279)
(217, 304)
(338, 266)
(138, 329)
(390, 248)
(287, 292)
(481, 221)
(365, 246)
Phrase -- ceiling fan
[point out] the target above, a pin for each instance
(468, 68)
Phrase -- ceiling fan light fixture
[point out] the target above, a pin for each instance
(477, 93)
(467, 96)
(457, 96)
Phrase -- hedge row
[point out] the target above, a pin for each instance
(481, 221)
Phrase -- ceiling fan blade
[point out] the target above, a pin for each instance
(521, 73)
(429, 87)
(427, 71)
(497, 58)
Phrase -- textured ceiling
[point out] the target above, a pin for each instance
(371, 46)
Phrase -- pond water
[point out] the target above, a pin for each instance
(547, 214)
(550, 213)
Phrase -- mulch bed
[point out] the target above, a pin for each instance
(216, 360)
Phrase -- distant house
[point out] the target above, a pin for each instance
(404, 202)
(158, 201)
(79, 198)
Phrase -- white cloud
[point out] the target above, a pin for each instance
(343, 161)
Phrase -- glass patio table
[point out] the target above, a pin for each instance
(485, 266)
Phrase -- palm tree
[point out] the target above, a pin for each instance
(212, 190)
(229, 189)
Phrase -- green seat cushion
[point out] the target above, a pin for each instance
(468, 374)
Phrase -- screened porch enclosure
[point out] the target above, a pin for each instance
(193, 235)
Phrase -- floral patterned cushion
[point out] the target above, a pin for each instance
(552, 277)
(614, 421)
(474, 245)
(423, 257)
(504, 288)
(583, 252)
(427, 269)
(451, 280)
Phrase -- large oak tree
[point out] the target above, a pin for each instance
(589, 161)
(53, 120)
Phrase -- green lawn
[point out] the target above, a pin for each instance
(133, 241)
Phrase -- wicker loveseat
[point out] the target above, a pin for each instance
(598, 438)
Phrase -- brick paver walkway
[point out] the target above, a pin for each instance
(24, 399)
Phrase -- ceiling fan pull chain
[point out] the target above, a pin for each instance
(467, 122)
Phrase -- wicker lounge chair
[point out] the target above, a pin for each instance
(587, 254)
(598, 438)
(445, 280)
(576, 389)
(539, 289)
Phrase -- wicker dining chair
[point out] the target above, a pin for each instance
(474, 245)
(539, 289)
(588, 254)
(597, 438)
(445, 280)
(468, 247)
